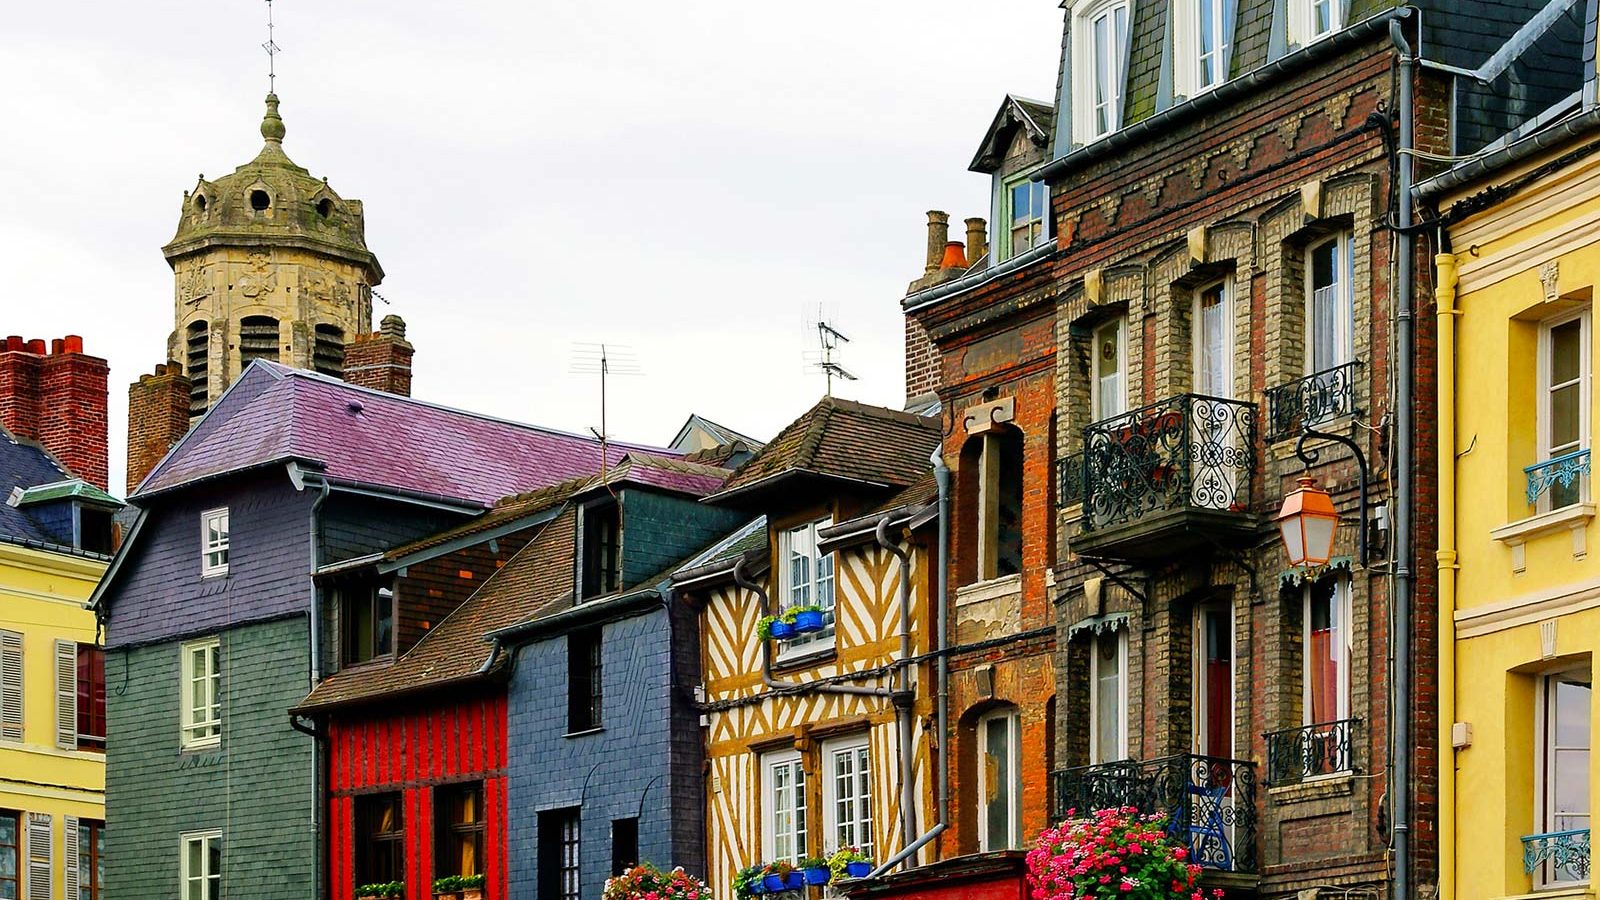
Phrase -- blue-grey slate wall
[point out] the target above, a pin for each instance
(659, 530)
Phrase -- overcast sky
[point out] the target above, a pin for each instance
(690, 180)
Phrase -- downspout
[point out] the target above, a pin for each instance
(792, 687)
(1445, 299)
(941, 476)
(903, 697)
(316, 670)
(1400, 747)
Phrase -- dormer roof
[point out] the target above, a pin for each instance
(1034, 118)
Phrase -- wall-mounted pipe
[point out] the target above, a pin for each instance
(1445, 300)
(1400, 677)
(792, 687)
(903, 700)
(316, 673)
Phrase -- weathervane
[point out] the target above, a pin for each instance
(272, 48)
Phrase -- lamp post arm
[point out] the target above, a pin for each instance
(1309, 456)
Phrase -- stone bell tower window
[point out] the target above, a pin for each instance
(258, 339)
(196, 363)
(324, 207)
(327, 356)
(259, 200)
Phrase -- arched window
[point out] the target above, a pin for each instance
(991, 498)
(327, 353)
(258, 339)
(196, 363)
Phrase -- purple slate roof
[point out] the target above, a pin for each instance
(274, 414)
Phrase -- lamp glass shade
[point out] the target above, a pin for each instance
(1307, 523)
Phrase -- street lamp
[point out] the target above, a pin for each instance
(1307, 523)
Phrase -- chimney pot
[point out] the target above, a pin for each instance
(74, 343)
(938, 235)
(36, 346)
(954, 256)
(977, 240)
(14, 342)
(56, 346)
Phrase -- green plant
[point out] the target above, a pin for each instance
(843, 857)
(790, 614)
(456, 883)
(745, 878)
(781, 868)
(646, 881)
(764, 627)
(384, 889)
(813, 862)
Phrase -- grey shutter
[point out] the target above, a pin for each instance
(10, 686)
(70, 861)
(66, 695)
(39, 863)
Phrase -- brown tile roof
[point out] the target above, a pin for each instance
(845, 440)
(536, 581)
(505, 511)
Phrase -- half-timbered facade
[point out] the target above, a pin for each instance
(826, 741)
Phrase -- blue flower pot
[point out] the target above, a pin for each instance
(817, 875)
(858, 869)
(757, 887)
(773, 883)
(796, 882)
(807, 622)
(782, 631)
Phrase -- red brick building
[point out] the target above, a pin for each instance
(57, 397)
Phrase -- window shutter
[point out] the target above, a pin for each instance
(10, 686)
(39, 867)
(70, 862)
(66, 695)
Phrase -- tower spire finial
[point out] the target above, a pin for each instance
(271, 47)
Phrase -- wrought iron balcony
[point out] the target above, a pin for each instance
(1565, 471)
(1174, 472)
(1309, 401)
(1070, 477)
(1211, 802)
(1297, 754)
(1561, 856)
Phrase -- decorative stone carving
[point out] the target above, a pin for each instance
(194, 286)
(261, 279)
(1338, 107)
(1549, 275)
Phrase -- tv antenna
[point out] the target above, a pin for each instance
(271, 46)
(604, 360)
(830, 341)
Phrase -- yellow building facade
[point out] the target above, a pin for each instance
(1520, 586)
(52, 776)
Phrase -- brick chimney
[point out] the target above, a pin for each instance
(158, 417)
(57, 399)
(382, 360)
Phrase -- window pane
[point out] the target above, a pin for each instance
(1566, 351)
(1108, 696)
(1565, 414)
(997, 788)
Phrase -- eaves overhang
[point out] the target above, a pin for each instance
(976, 278)
(746, 493)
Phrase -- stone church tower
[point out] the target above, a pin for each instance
(268, 263)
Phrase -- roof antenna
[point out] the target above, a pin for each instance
(604, 360)
(829, 341)
(272, 48)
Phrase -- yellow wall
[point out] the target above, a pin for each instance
(1539, 244)
(42, 596)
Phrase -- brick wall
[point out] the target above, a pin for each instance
(381, 360)
(57, 398)
(158, 417)
(256, 788)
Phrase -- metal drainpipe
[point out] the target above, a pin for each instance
(902, 702)
(792, 687)
(1400, 749)
(1445, 299)
(316, 670)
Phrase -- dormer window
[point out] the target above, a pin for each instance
(1100, 54)
(806, 579)
(1202, 42)
(1312, 20)
(1027, 214)
(95, 533)
(600, 549)
(366, 623)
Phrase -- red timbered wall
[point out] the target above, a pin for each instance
(413, 753)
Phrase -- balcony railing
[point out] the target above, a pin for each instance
(1211, 802)
(1186, 452)
(1561, 856)
(1297, 754)
(1070, 478)
(1566, 470)
(1309, 401)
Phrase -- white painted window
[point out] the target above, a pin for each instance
(1564, 366)
(1311, 20)
(847, 794)
(1108, 389)
(1326, 643)
(1027, 211)
(1202, 45)
(1330, 304)
(200, 697)
(1100, 54)
(1108, 697)
(214, 542)
(1212, 323)
(807, 579)
(200, 865)
(783, 807)
(999, 782)
(1565, 700)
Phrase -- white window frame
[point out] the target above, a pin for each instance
(858, 750)
(1302, 14)
(204, 876)
(1097, 403)
(1344, 608)
(1120, 635)
(1197, 349)
(1188, 70)
(770, 762)
(1543, 752)
(1344, 285)
(1585, 380)
(1202, 719)
(213, 554)
(1013, 792)
(195, 732)
(823, 591)
(1088, 68)
(1009, 223)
